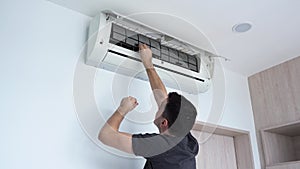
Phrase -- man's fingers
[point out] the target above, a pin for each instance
(143, 46)
(133, 99)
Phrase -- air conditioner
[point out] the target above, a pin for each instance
(113, 45)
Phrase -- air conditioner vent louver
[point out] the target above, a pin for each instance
(128, 39)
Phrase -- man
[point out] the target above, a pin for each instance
(174, 147)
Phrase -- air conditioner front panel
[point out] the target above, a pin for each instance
(134, 68)
(125, 53)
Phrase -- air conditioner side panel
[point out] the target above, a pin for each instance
(98, 42)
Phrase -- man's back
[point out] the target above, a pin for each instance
(174, 147)
(166, 152)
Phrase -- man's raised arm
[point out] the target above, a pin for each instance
(157, 86)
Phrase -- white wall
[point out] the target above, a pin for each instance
(40, 43)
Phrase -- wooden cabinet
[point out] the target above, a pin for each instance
(222, 147)
(275, 97)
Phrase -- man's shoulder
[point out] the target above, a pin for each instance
(152, 144)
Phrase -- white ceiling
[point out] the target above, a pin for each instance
(273, 39)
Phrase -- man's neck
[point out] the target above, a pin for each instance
(167, 133)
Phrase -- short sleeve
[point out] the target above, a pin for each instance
(150, 145)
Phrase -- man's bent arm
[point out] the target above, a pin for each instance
(110, 134)
(157, 86)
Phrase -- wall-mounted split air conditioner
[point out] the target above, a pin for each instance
(113, 45)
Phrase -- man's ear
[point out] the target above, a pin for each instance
(164, 123)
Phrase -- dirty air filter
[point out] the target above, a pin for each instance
(130, 40)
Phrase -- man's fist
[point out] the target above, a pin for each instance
(146, 56)
(127, 104)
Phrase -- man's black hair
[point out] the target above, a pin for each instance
(180, 113)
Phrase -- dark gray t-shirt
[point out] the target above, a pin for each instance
(166, 152)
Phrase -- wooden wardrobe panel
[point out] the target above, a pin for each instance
(294, 84)
(275, 94)
(217, 152)
(258, 106)
(274, 91)
(243, 152)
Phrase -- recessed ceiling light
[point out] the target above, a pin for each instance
(241, 27)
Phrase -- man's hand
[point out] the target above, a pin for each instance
(146, 56)
(127, 104)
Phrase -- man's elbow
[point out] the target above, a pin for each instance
(102, 137)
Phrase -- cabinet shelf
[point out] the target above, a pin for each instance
(285, 165)
(281, 145)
